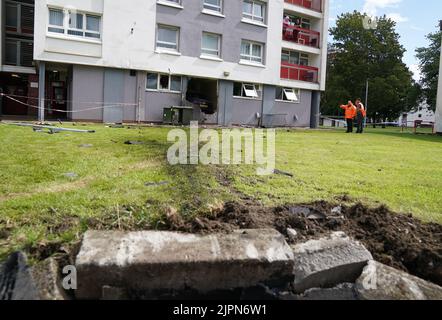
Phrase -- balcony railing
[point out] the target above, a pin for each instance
(309, 4)
(300, 73)
(301, 36)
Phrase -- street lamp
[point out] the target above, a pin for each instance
(439, 94)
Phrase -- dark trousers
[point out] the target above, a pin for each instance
(349, 125)
(360, 125)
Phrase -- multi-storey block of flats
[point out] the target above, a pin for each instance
(226, 62)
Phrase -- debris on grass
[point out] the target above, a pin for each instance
(288, 174)
(136, 143)
(156, 184)
(71, 175)
(86, 145)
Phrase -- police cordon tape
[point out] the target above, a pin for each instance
(103, 104)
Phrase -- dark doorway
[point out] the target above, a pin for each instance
(204, 94)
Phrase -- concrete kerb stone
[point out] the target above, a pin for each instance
(380, 282)
(328, 262)
(150, 260)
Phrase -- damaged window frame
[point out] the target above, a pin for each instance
(244, 91)
(171, 79)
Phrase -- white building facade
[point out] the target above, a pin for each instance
(232, 62)
(422, 114)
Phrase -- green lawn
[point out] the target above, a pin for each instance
(40, 204)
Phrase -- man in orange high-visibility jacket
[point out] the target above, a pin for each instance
(361, 114)
(350, 114)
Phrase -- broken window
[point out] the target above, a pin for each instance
(163, 82)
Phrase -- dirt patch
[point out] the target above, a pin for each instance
(399, 241)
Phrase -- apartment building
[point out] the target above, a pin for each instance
(231, 62)
(17, 66)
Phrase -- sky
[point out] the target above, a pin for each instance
(415, 19)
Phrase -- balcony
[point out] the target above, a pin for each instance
(299, 73)
(315, 5)
(301, 36)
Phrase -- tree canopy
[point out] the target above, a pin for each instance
(358, 54)
(429, 59)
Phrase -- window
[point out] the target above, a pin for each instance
(93, 26)
(294, 57)
(174, 1)
(247, 90)
(252, 51)
(19, 52)
(211, 44)
(288, 94)
(213, 5)
(11, 49)
(152, 81)
(167, 37)
(75, 24)
(12, 15)
(56, 21)
(254, 10)
(19, 18)
(163, 82)
(175, 83)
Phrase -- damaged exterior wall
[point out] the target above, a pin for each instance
(128, 42)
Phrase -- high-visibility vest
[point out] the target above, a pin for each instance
(350, 111)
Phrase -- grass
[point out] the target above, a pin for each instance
(40, 204)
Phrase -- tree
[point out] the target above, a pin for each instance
(358, 54)
(429, 59)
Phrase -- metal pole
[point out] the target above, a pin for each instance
(439, 94)
(366, 96)
(41, 92)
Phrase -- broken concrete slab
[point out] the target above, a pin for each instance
(47, 278)
(18, 281)
(328, 262)
(380, 282)
(342, 292)
(150, 260)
